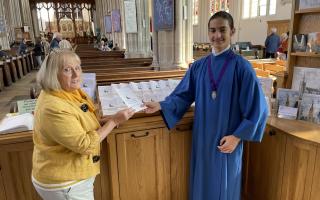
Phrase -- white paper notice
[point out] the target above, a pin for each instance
(287, 112)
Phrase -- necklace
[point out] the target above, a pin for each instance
(215, 84)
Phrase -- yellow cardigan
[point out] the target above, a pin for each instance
(66, 144)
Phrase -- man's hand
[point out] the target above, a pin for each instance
(152, 107)
(228, 144)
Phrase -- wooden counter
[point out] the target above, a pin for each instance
(143, 160)
(286, 165)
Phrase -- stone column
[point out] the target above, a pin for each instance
(13, 17)
(35, 21)
(189, 32)
(138, 44)
(26, 17)
(179, 34)
(3, 35)
(175, 46)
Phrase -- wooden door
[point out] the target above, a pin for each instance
(298, 170)
(265, 162)
(16, 165)
(180, 154)
(143, 164)
(2, 191)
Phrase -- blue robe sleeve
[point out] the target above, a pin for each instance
(253, 107)
(178, 102)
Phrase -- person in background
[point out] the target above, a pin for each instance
(67, 131)
(3, 55)
(272, 43)
(57, 37)
(283, 48)
(116, 48)
(22, 47)
(65, 44)
(230, 108)
(38, 51)
(46, 46)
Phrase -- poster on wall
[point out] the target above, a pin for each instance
(130, 16)
(163, 15)
(108, 24)
(2, 25)
(116, 23)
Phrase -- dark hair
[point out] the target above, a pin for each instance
(223, 15)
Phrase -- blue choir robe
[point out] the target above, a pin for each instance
(240, 109)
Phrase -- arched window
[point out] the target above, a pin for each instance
(255, 8)
(217, 5)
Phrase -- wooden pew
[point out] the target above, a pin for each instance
(99, 70)
(116, 77)
(6, 73)
(19, 66)
(1, 79)
(13, 70)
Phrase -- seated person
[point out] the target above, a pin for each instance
(22, 47)
(3, 54)
(116, 48)
(65, 44)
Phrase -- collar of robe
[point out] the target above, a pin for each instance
(221, 52)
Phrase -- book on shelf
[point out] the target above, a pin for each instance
(16, 123)
(307, 4)
(300, 42)
(89, 84)
(313, 44)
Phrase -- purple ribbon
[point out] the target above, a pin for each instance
(215, 84)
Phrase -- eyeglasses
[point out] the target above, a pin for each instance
(68, 69)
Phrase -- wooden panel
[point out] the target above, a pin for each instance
(1, 79)
(24, 65)
(298, 170)
(265, 166)
(2, 191)
(13, 71)
(180, 154)
(309, 23)
(16, 165)
(28, 62)
(143, 158)
(6, 74)
(282, 26)
(19, 67)
(315, 190)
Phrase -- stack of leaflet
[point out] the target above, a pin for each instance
(120, 96)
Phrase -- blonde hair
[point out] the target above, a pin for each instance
(47, 76)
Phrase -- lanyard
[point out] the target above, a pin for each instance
(215, 84)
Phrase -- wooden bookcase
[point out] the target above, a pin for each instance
(303, 21)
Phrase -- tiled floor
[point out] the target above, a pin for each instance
(17, 91)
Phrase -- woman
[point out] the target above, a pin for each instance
(22, 47)
(230, 107)
(67, 133)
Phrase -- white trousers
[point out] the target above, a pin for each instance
(82, 191)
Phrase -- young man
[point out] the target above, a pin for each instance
(229, 107)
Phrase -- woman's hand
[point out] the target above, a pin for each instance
(152, 107)
(122, 116)
(228, 144)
